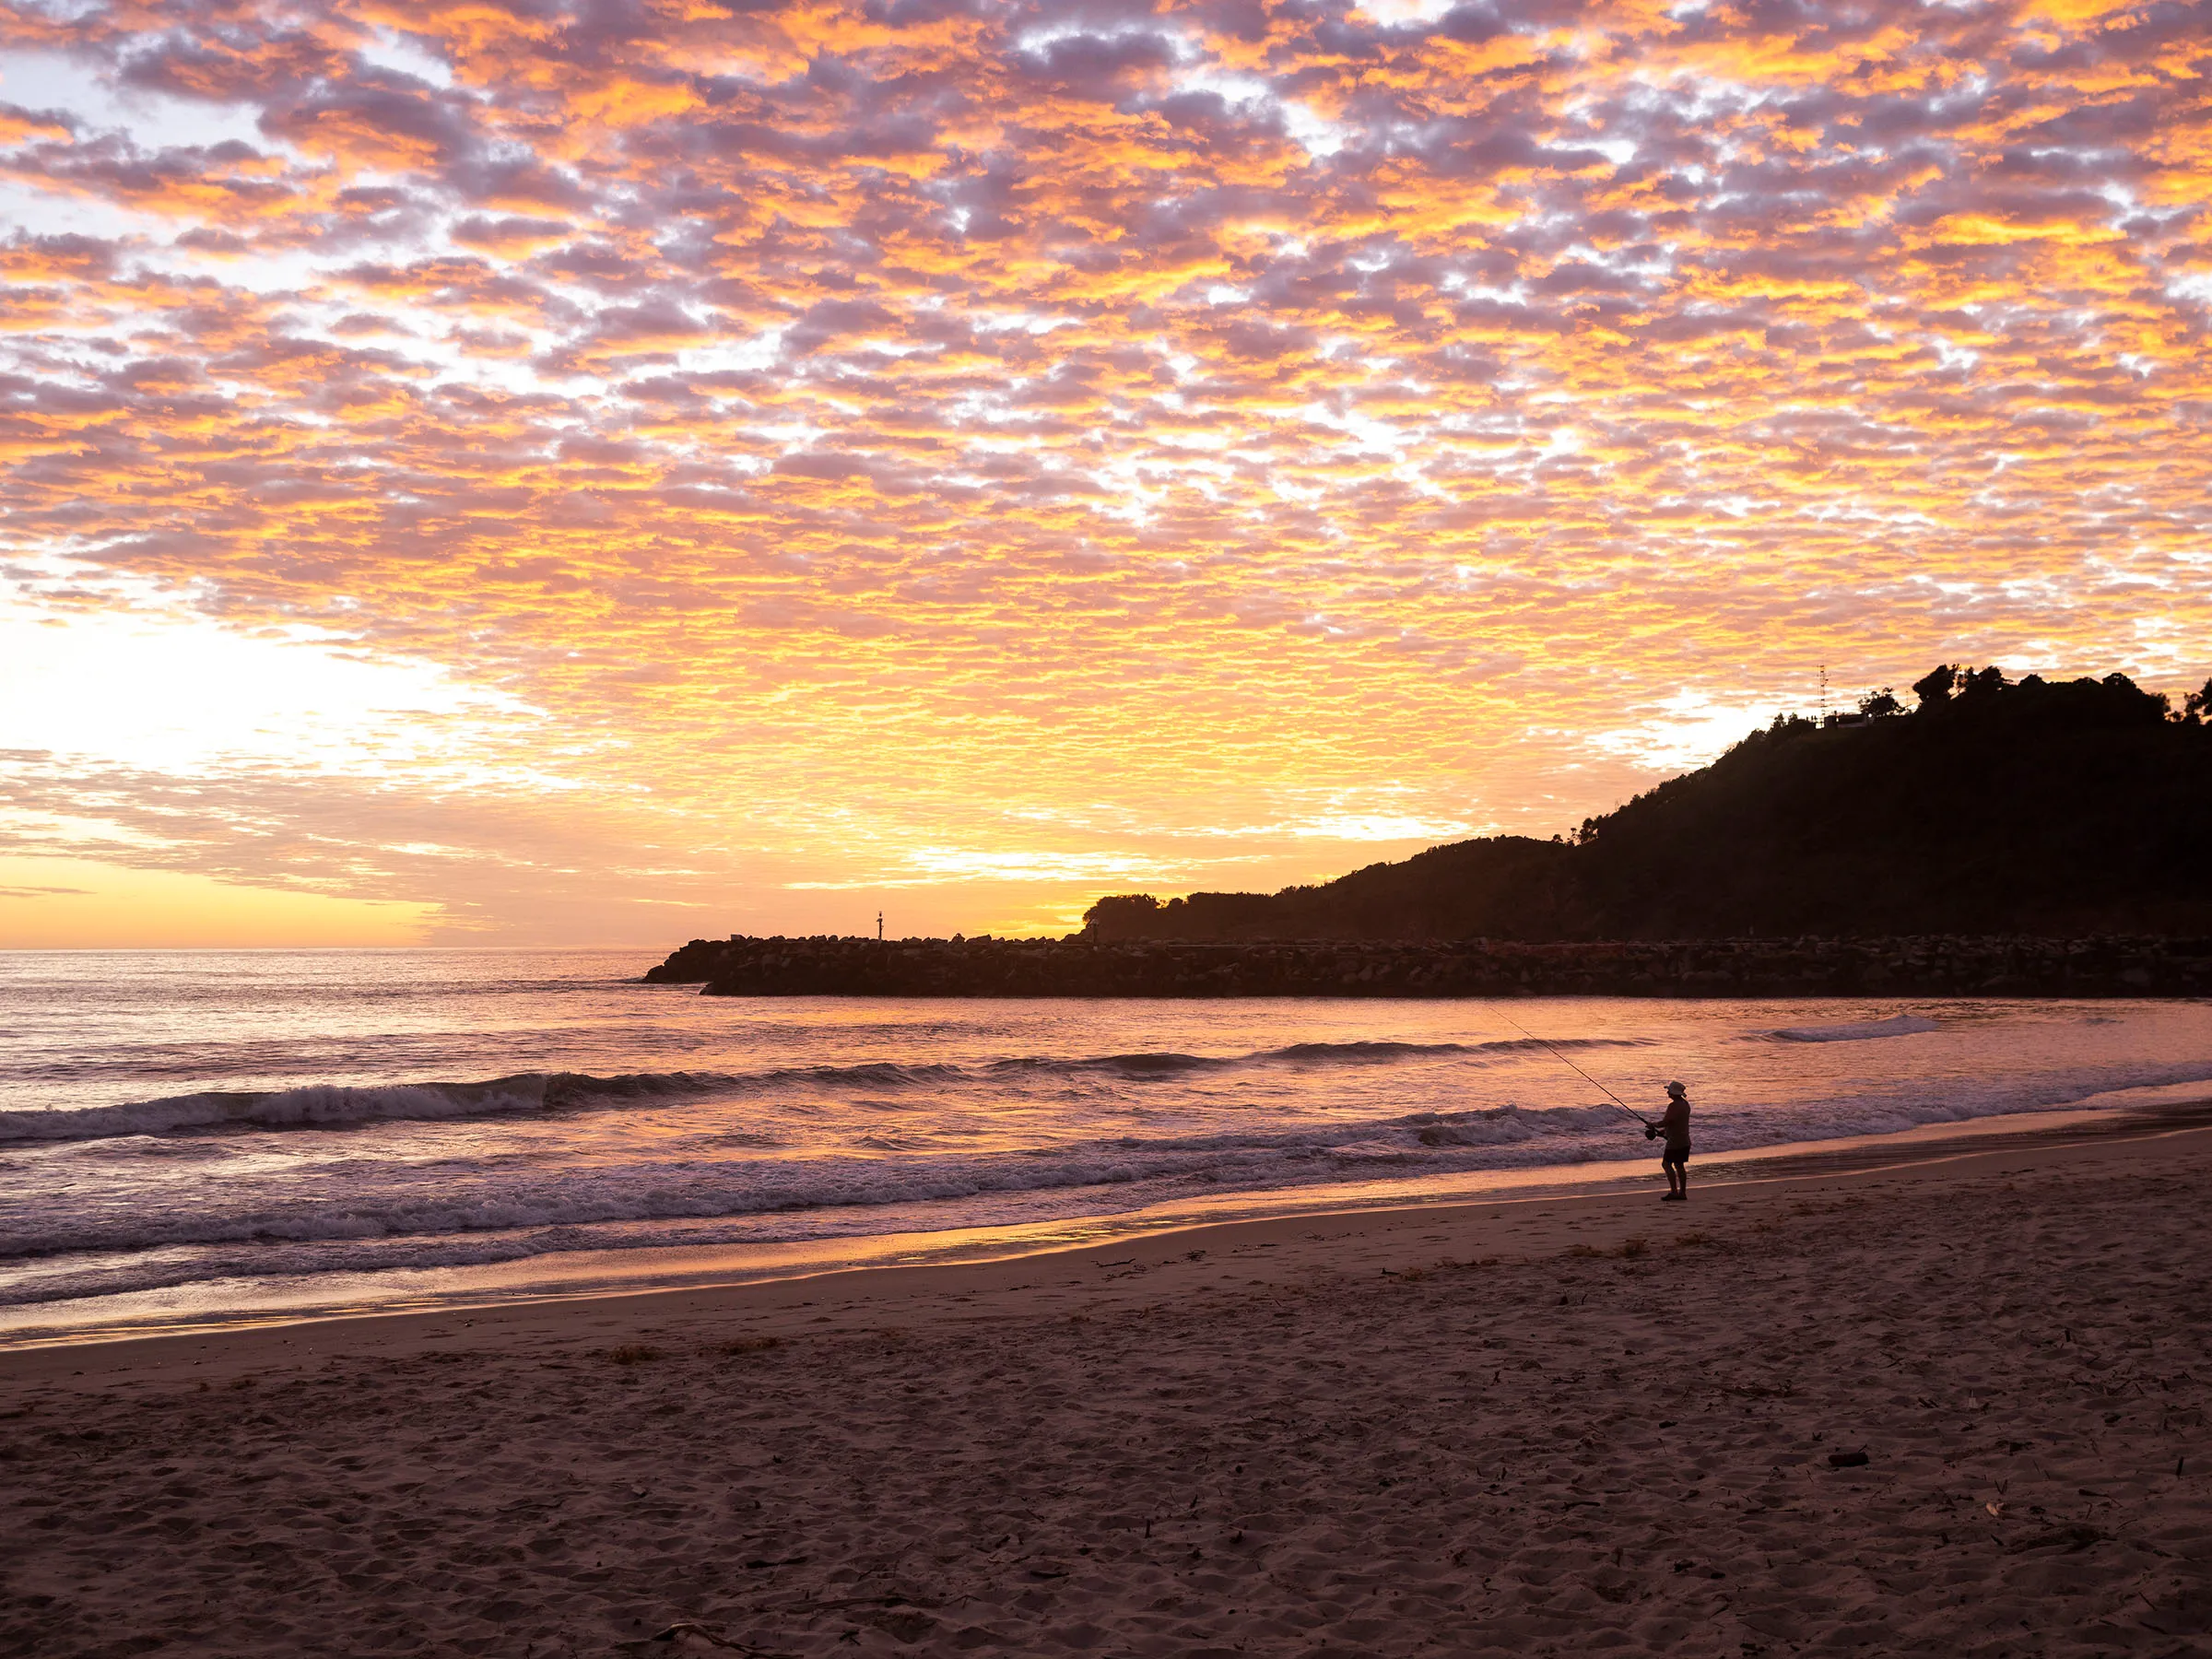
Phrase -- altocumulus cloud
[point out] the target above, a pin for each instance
(1087, 438)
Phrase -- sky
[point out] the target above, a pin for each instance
(572, 471)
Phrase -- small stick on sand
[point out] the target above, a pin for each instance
(692, 1627)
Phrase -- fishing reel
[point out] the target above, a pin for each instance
(1651, 1132)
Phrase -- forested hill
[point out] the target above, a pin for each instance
(2065, 808)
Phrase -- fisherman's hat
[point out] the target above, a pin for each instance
(1676, 1089)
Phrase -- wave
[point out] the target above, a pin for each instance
(330, 1105)
(451, 1213)
(1369, 1052)
(1408, 1051)
(447, 1198)
(1897, 1025)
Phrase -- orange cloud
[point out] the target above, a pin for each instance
(887, 444)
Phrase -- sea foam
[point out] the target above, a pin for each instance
(1897, 1025)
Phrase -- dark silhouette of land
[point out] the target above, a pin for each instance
(2032, 840)
(1934, 966)
(2062, 809)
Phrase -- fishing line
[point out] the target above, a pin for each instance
(1577, 1070)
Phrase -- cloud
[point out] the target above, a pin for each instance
(980, 442)
(18, 125)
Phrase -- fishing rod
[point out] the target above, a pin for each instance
(1577, 1070)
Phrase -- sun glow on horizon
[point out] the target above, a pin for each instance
(89, 904)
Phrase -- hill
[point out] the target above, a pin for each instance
(2064, 808)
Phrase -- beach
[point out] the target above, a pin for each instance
(1560, 1424)
(361, 1131)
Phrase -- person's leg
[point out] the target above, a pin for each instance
(1682, 1175)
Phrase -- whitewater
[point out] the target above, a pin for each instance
(206, 1126)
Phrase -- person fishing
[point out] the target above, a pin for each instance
(1675, 1157)
(1674, 1124)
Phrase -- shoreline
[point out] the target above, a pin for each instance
(1917, 1408)
(1545, 1221)
(564, 1276)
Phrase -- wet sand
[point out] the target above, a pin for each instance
(1555, 1424)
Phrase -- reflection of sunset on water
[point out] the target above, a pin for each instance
(707, 467)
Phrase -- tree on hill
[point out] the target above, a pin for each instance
(1934, 688)
(2072, 806)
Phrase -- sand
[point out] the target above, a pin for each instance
(1557, 1426)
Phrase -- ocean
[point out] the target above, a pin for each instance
(189, 1137)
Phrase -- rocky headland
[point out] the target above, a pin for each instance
(2029, 839)
(2067, 810)
(1917, 966)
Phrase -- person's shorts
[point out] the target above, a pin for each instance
(1675, 1155)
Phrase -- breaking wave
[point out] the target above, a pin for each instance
(423, 1201)
(445, 1215)
(1299, 1053)
(1897, 1025)
(329, 1105)
(338, 1105)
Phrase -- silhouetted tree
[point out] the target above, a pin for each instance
(1981, 683)
(1122, 916)
(1880, 705)
(2132, 700)
(2087, 799)
(1934, 688)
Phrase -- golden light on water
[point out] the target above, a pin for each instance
(571, 473)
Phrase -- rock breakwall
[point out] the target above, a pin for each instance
(1922, 966)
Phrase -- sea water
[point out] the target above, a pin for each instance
(173, 1122)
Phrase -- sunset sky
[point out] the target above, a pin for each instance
(512, 470)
